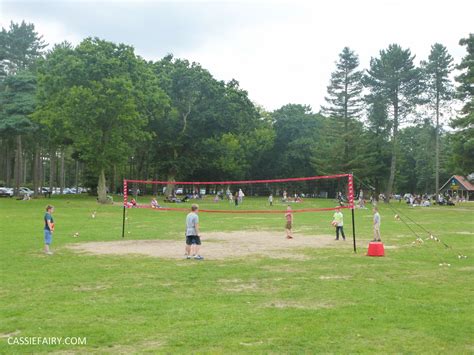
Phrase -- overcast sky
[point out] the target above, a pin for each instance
(281, 52)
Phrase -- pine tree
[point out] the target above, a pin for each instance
(439, 90)
(20, 48)
(394, 77)
(344, 100)
(464, 123)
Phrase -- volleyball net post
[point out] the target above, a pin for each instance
(125, 202)
(350, 186)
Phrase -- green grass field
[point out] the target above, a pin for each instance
(332, 301)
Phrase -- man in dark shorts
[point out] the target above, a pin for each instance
(193, 241)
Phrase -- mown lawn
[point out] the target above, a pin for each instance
(332, 301)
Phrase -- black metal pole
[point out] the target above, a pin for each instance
(354, 231)
(123, 222)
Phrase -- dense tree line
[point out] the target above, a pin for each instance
(95, 113)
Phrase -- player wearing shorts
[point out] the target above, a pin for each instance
(48, 229)
(193, 241)
(377, 218)
(289, 222)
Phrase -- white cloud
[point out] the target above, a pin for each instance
(280, 52)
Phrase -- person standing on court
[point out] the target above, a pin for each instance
(377, 237)
(193, 241)
(289, 222)
(48, 229)
(339, 219)
(241, 196)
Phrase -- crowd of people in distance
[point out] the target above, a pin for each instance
(414, 200)
(426, 200)
(296, 198)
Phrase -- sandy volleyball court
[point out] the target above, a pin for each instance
(218, 245)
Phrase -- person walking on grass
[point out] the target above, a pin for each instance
(376, 225)
(289, 222)
(270, 199)
(339, 222)
(241, 196)
(48, 229)
(193, 241)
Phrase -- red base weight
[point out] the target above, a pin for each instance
(376, 249)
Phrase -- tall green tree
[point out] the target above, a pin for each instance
(417, 168)
(210, 128)
(297, 131)
(17, 103)
(96, 99)
(376, 143)
(463, 138)
(345, 102)
(394, 77)
(20, 48)
(439, 90)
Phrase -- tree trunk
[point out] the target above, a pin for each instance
(393, 163)
(346, 125)
(437, 148)
(41, 170)
(77, 177)
(52, 171)
(7, 164)
(24, 173)
(170, 185)
(155, 186)
(101, 188)
(113, 183)
(36, 171)
(18, 165)
(61, 173)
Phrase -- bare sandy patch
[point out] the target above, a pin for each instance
(217, 246)
(253, 343)
(90, 288)
(335, 277)
(281, 268)
(299, 305)
(8, 335)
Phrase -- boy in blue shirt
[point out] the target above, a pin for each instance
(48, 229)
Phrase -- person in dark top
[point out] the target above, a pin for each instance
(48, 229)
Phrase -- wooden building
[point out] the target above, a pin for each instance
(458, 185)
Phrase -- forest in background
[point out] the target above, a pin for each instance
(95, 113)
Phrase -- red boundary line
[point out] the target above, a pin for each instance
(236, 182)
(176, 209)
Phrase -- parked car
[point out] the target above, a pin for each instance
(5, 192)
(25, 191)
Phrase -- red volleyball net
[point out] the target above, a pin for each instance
(305, 194)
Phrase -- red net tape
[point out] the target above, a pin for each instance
(177, 209)
(350, 186)
(237, 182)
